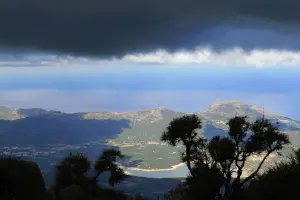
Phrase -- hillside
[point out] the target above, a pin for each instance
(46, 136)
(13, 114)
(142, 141)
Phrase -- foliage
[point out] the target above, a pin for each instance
(76, 169)
(72, 170)
(209, 179)
(278, 182)
(107, 162)
(184, 129)
(20, 179)
(214, 161)
(179, 193)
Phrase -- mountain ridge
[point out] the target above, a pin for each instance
(216, 114)
(46, 136)
(217, 104)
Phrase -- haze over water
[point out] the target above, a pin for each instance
(190, 89)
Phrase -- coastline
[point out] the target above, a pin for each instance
(173, 167)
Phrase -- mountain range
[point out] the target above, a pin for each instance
(47, 136)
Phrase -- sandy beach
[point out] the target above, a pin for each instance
(245, 174)
(157, 170)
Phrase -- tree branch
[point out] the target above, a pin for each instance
(188, 161)
(205, 154)
(257, 170)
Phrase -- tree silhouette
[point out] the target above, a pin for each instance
(75, 169)
(214, 161)
(107, 162)
(279, 182)
(209, 179)
(20, 179)
(184, 130)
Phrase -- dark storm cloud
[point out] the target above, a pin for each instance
(116, 27)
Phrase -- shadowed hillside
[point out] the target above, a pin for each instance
(58, 129)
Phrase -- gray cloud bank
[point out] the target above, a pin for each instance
(116, 27)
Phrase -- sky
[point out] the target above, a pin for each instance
(129, 55)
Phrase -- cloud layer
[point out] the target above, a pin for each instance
(200, 56)
(233, 57)
(116, 28)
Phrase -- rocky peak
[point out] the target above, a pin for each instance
(218, 102)
(228, 105)
(158, 109)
